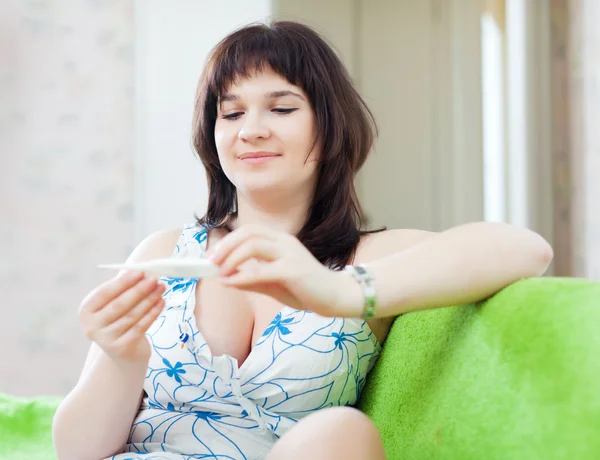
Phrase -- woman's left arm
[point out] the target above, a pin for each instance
(464, 264)
(423, 270)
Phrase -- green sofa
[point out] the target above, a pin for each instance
(516, 377)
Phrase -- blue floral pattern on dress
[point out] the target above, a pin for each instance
(201, 406)
(278, 324)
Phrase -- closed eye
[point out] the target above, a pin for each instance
(232, 116)
(284, 111)
(279, 111)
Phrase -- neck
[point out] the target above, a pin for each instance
(286, 215)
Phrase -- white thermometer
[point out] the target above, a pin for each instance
(188, 267)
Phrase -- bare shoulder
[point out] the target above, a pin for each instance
(156, 245)
(377, 245)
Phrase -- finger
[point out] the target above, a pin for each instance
(125, 322)
(110, 290)
(138, 329)
(237, 237)
(255, 248)
(266, 285)
(254, 275)
(126, 301)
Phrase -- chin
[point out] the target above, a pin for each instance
(253, 186)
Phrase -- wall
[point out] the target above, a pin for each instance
(171, 47)
(584, 68)
(575, 44)
(66, 177)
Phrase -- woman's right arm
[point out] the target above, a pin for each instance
(94, 420)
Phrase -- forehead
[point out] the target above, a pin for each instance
(261, 81)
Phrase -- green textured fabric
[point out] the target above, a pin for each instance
(26, 428)
(516, 377)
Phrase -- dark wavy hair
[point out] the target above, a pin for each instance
(345, 127)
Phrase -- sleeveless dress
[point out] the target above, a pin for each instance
(200, 406)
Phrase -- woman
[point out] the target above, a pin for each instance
(266, 360)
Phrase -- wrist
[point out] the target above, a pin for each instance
(350, 299)
(135, 364)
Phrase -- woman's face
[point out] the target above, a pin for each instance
(264, 132)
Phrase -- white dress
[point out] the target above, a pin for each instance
(200, 406)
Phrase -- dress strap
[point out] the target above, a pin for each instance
(195, 238)
(192, 241)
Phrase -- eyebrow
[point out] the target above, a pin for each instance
(271, 95)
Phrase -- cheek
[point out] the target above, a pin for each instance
(301, 135)
(223, 144)
(222, 134)
(224, 141)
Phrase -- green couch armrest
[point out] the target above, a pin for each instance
(515, 377)
(26, 428)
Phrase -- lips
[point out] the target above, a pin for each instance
(258, 155)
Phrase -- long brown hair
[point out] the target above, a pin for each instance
(345, 127)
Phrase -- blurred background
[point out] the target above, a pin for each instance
(486, 108)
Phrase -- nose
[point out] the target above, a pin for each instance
(253, 129)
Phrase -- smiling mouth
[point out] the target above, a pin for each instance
(259, 159)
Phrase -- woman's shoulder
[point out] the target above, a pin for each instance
(157, 245)
(373, 246)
